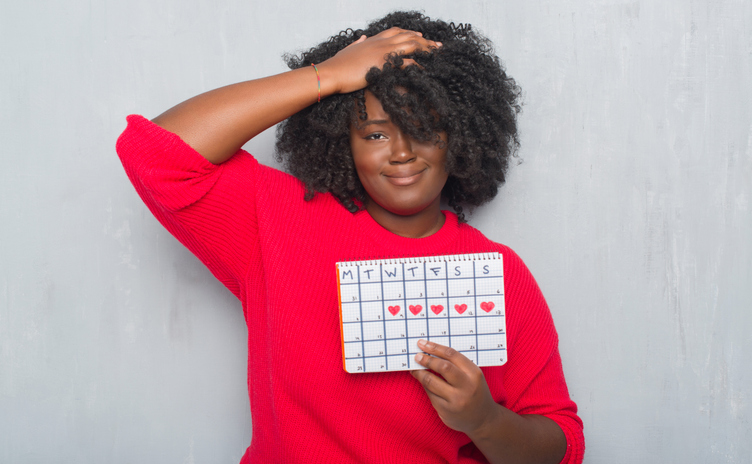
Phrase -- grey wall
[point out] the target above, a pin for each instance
(631, 205)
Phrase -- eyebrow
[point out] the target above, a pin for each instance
(374, 121)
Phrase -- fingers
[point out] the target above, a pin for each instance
(406, 41)
(453, 366)
(459, 393)
(410, 43)
(345, 72)
(398, 30)
(410, 62)
(436, 388)
(447, 353)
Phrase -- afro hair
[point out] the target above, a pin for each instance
(460, 88)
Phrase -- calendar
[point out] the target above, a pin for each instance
(387, 305)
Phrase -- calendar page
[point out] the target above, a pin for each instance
(386, 306)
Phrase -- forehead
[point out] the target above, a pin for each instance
(375, 113)
(374, 109)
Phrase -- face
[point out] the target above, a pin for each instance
(401, 175)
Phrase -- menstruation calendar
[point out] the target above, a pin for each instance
(387, 305)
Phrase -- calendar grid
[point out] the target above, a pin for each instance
(383, 315)
(404, 292)
(475, 305)
(388, 305)
(449, 325)
(360, 304)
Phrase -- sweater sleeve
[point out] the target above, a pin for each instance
(209, 208)
(534, 380)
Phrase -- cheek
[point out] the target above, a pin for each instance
(362, 169)
(367, 163)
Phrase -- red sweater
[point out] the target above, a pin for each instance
(276, 252)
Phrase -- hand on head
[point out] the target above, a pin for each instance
(346, 71)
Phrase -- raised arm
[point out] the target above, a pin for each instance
(217, 123)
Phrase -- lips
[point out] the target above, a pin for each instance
(404, 177)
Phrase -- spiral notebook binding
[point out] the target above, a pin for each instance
(420, 259)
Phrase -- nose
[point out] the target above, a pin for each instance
(402, 150)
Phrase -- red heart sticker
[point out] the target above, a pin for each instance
(394, 310)
(437, 309)
(487, 306)
(460, 308)
(416, 309)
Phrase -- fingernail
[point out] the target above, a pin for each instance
(421, 342)
(418, 357)
(439, 44)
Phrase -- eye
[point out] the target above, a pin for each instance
(375, 136)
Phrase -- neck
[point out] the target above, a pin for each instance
(421, 224)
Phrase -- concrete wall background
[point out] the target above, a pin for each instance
(631, 206)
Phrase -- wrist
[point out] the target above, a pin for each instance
(318, 81)
(491, 422)
(328, 80)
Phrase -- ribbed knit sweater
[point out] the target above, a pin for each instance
(250, 225)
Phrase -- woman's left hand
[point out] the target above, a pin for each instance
(462, 397)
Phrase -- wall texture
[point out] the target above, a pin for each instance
(630, 203)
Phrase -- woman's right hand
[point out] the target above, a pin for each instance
(346, 71)
(217, 123)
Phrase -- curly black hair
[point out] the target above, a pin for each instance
(460, 88)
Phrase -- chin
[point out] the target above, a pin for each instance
(406, 211)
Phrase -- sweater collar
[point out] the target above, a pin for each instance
(402, 246)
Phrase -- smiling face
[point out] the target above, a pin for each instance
(402, 176)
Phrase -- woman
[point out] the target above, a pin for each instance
(379, 126)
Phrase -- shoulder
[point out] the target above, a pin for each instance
(523, 298)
